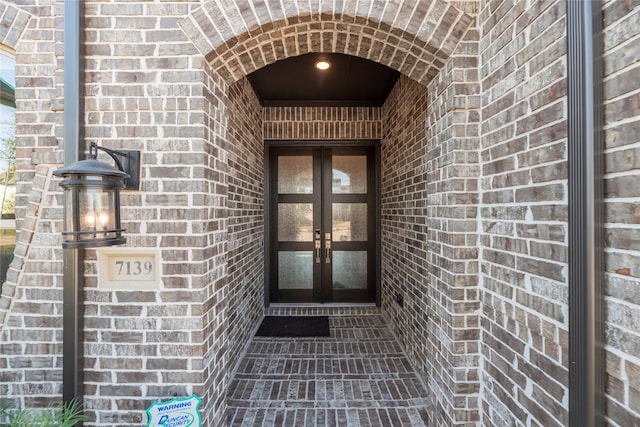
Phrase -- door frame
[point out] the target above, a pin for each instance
(268, 238)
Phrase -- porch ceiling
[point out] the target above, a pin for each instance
(350, 81)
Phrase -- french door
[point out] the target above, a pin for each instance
(323, 224)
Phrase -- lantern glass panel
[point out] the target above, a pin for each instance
(97, 207)
(69, 207)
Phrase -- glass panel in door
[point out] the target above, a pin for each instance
(350, 270)
(349, 174)
(295, 174)
(295, 270)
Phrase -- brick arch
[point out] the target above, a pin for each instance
(415, 37)
(13, 22)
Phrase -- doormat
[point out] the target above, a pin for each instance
(294, 326)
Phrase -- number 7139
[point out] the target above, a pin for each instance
(134, 268)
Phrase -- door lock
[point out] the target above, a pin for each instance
(318, 246)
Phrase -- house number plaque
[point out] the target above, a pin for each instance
(128, 268)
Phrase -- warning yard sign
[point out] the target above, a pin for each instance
(179, 412)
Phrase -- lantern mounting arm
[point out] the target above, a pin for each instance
(129, 165)
(93, 152)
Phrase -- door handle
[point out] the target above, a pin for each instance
(327, 247)
(318, 251)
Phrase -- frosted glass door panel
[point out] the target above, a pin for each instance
(349, 174)
(295, 222)
(295, 174)
(350, 270)
(295, 270)
(349, 222)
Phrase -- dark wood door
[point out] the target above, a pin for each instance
(323, 224)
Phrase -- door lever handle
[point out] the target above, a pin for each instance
(327, 253)
(318, 251)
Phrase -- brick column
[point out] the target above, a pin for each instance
(453, 297)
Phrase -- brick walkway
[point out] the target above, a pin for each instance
(357, 377)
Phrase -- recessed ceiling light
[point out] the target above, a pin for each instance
(322, 65)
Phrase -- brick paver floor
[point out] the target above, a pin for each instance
(357, 377)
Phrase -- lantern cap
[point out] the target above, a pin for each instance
(91, 167)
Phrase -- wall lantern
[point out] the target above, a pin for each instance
(92, 198)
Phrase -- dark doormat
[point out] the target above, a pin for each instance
(294, 326)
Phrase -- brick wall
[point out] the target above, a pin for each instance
(524, 212)
(622, 197)
(140, 346)
(34, 33)
(30, 305)
(453, 140)
(246, 216)
(429, 241)
(404, 233)
(214, 310)
(147, 90)
(291, 123)
(12, 25)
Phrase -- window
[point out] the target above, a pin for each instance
(7, 159)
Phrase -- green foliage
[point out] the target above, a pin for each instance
(8, 154)
(66, 415)
(8, 142)
(8, 149)
(9, 205)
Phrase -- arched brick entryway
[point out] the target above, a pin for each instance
(415, 38)
(428, 42)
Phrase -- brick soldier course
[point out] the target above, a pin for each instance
(473, 199)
